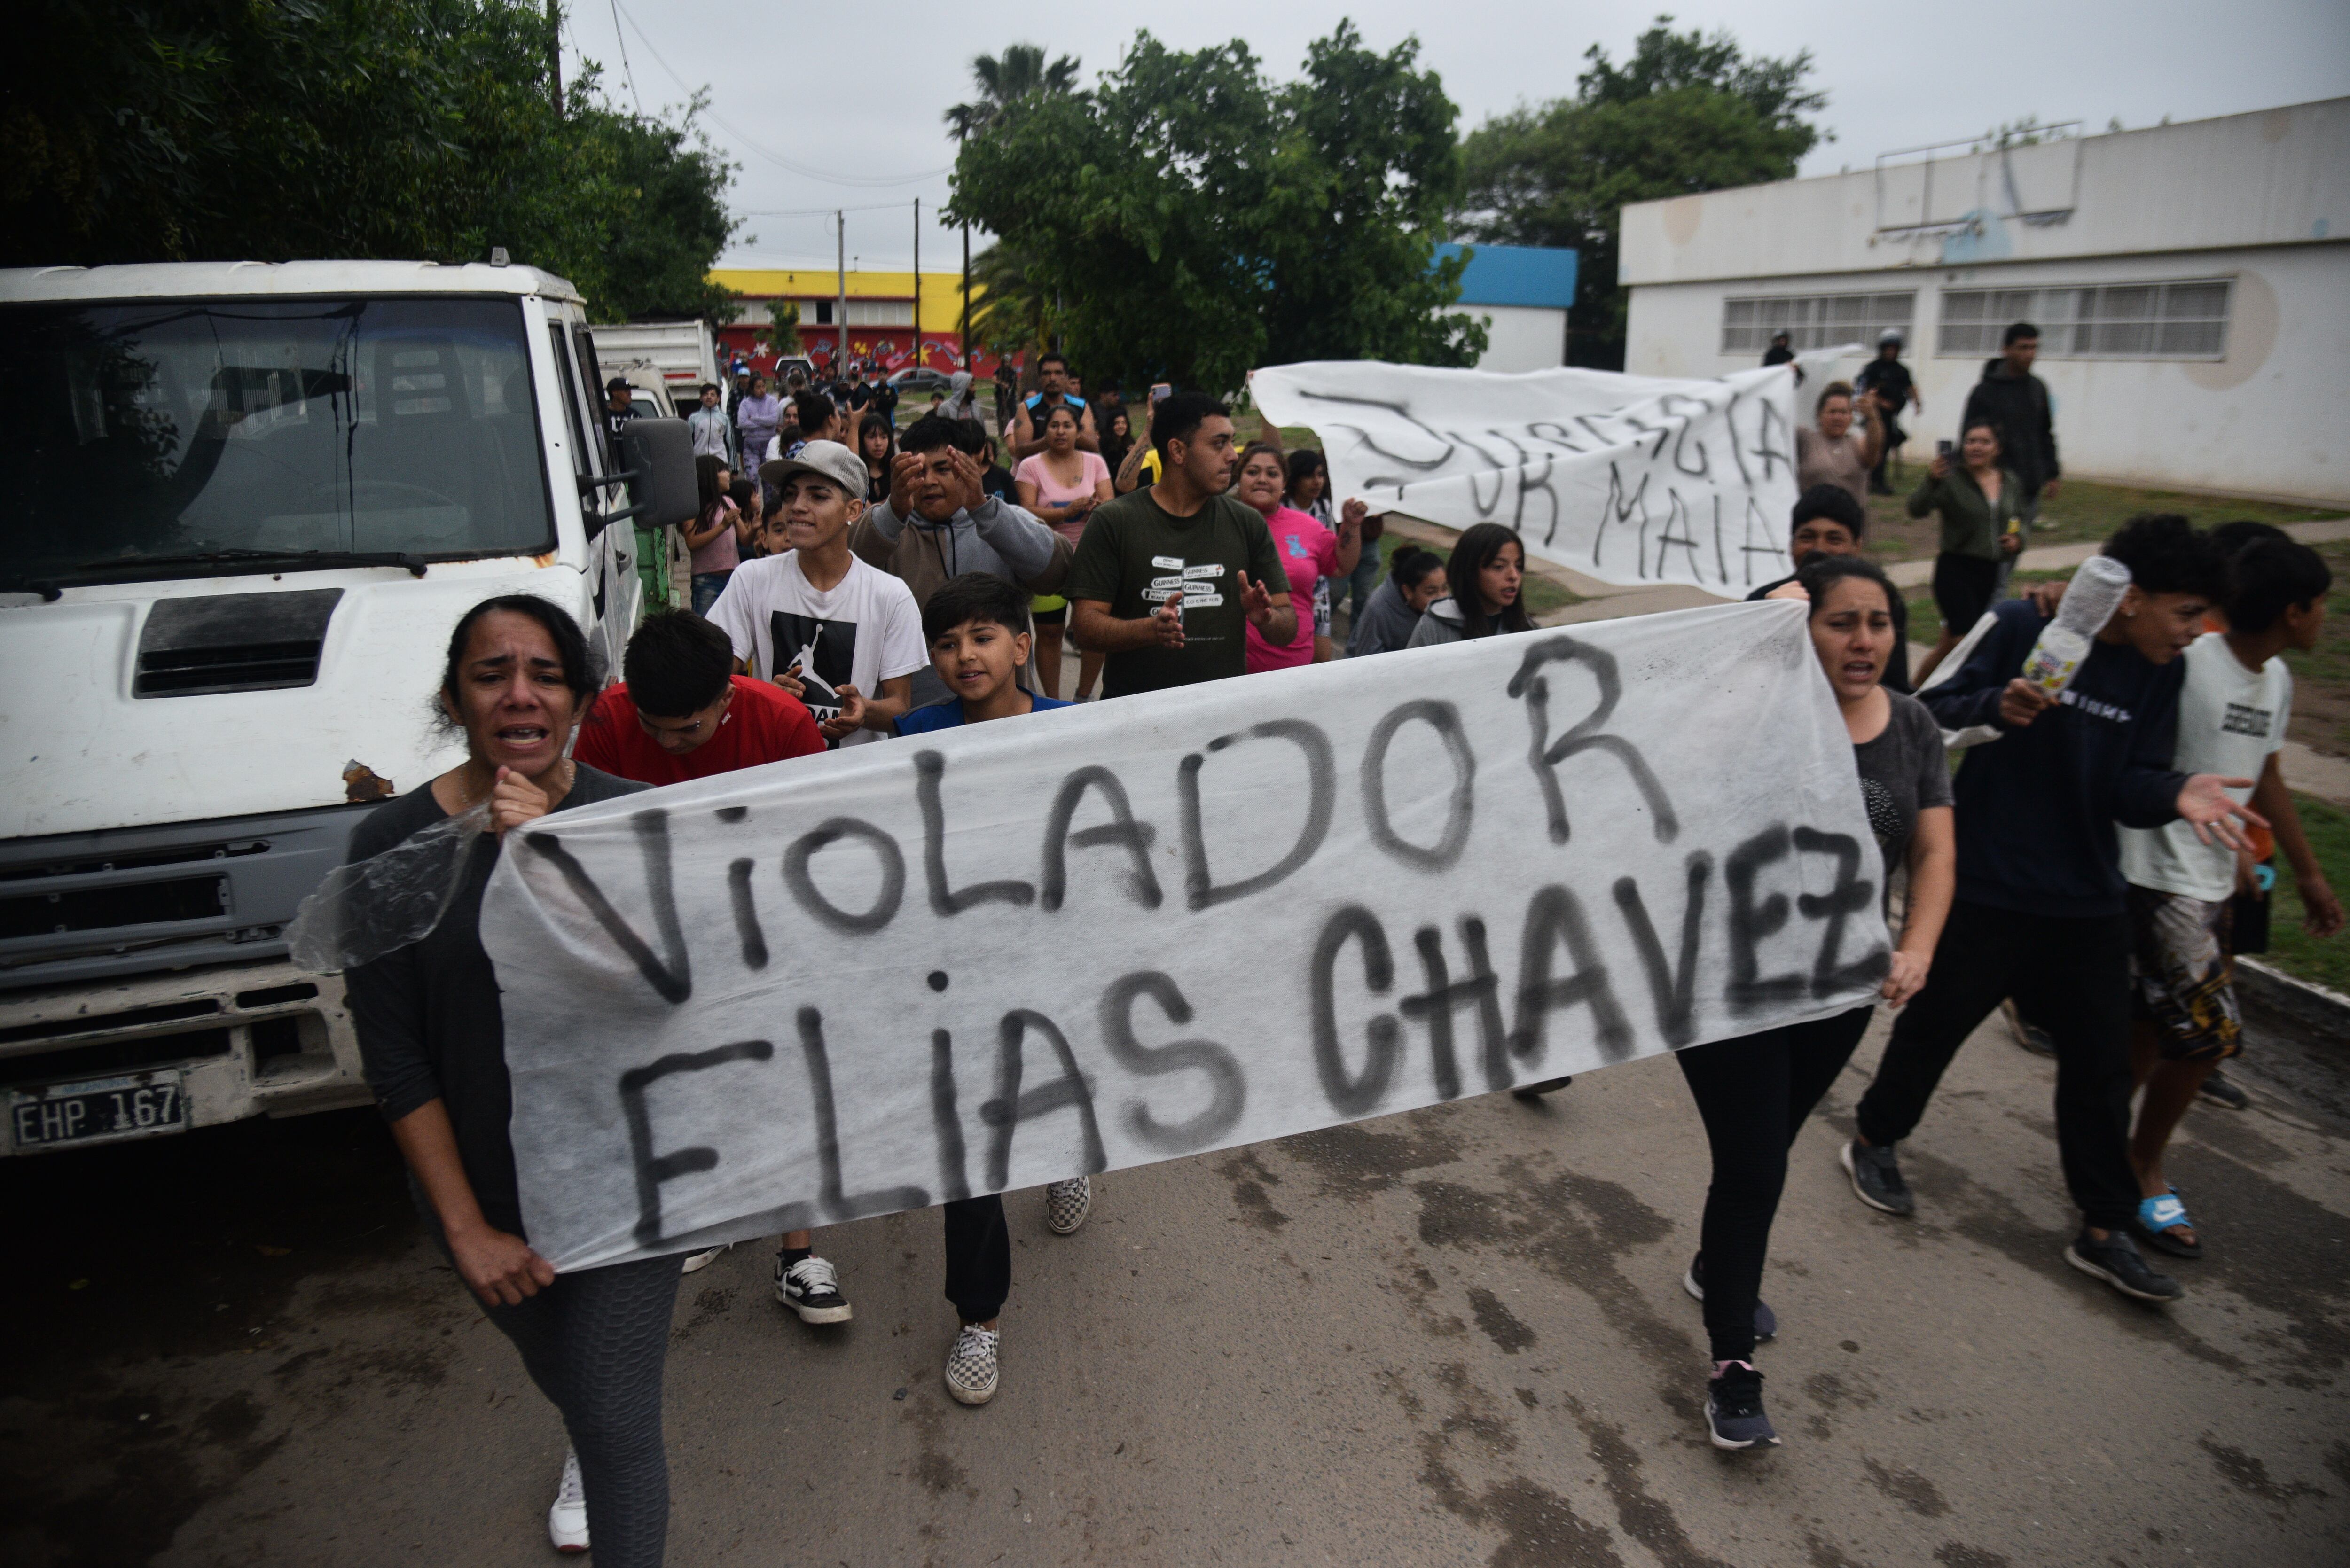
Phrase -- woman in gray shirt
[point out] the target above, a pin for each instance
(433, 1039)
(1755, 1092)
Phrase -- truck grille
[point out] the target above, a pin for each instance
(84, 906)
(233, 642)
(102, 908)
(252, 667)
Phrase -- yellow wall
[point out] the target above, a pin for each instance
(941, 293)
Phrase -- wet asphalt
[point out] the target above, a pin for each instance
(1457, 1335)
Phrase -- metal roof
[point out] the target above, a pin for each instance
(1515, 275)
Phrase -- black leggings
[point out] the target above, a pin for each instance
(1965, 586)
(978, 1257)
(1755, 1093)
(595, 1342)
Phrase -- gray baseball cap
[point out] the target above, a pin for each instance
(827, 459)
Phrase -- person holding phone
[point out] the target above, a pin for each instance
(1980, 504)
(1142, 467)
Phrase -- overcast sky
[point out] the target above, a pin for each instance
(859, 91)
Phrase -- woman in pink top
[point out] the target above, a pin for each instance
(711, 536)
(1310, 551)
(1062, 485)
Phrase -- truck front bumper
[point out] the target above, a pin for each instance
(247, 1040)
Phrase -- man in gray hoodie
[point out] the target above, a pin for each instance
(938, 524)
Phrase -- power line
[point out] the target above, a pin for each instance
(626, 70)
(867, 181)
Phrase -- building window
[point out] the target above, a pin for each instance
(823, 313)
(880, 313)
(1813, 320)
(2111, 321)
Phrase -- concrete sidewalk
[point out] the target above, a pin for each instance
(2057, 557)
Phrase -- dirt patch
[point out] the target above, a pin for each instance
(1500, 1324)
(1355, 1161)
(1907, 1488)
(2248, 1473)
(1250, 1179)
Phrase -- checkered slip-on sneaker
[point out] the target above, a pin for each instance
(1066, 1204)
(970, 1364)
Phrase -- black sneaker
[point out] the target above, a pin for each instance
(1877, 1178)
(1766, 1321)
(811, 1289)
(2116, 1260)
(2224, 1091)
(1532, 1094)
(1733, 1408)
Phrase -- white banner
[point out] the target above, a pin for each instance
(1631, 479)
(1014, 952)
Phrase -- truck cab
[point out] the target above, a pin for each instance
(247, 503)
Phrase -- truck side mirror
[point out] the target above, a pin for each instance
(658, 455)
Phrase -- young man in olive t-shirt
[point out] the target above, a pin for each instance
(1166, 578)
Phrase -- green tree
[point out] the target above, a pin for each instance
(1004, 80)
(1190, 220)
(1685, 113)
(784, 327)
(275, 130)
(1012, 310)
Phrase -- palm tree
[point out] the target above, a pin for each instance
(1012, 309)
(1003, 81)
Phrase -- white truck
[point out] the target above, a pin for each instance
(246, 506)
(684, 354)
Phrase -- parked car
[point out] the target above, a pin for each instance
(918, 378)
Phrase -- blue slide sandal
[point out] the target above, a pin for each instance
(2157, 1218)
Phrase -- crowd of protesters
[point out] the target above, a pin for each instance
(2094, 865)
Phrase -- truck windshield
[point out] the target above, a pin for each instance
(219, 432)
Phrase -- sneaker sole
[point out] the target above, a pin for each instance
(1734, 1445)
(965, 1396)
(1072, 1231)
(840, 1314)
(2095, 1271)
(1844, 1157)
(697, 1262)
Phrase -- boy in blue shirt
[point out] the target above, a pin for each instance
(976, 626)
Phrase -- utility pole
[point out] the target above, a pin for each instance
(967, 360)
(840, 310)
(554, 55)
(917, 283)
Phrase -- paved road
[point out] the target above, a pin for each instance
(1456, 1335)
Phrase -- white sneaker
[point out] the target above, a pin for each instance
(970, 1365)
(695, 1262)
(1066, 1204)
(566, 1521)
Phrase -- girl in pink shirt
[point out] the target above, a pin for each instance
(1308, 550)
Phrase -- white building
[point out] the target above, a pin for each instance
(2191, 284)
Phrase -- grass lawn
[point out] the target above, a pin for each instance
(2081, 514)
(1926, 621)
(1542, 594)
(2290, 947)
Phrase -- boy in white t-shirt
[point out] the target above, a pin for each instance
(838, 635)
(2232, 711)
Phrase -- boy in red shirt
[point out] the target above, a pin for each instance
(683, 714)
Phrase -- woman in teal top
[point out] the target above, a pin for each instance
(1982, 508)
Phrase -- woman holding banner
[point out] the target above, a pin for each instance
(1755, 1092)
(519, 675)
